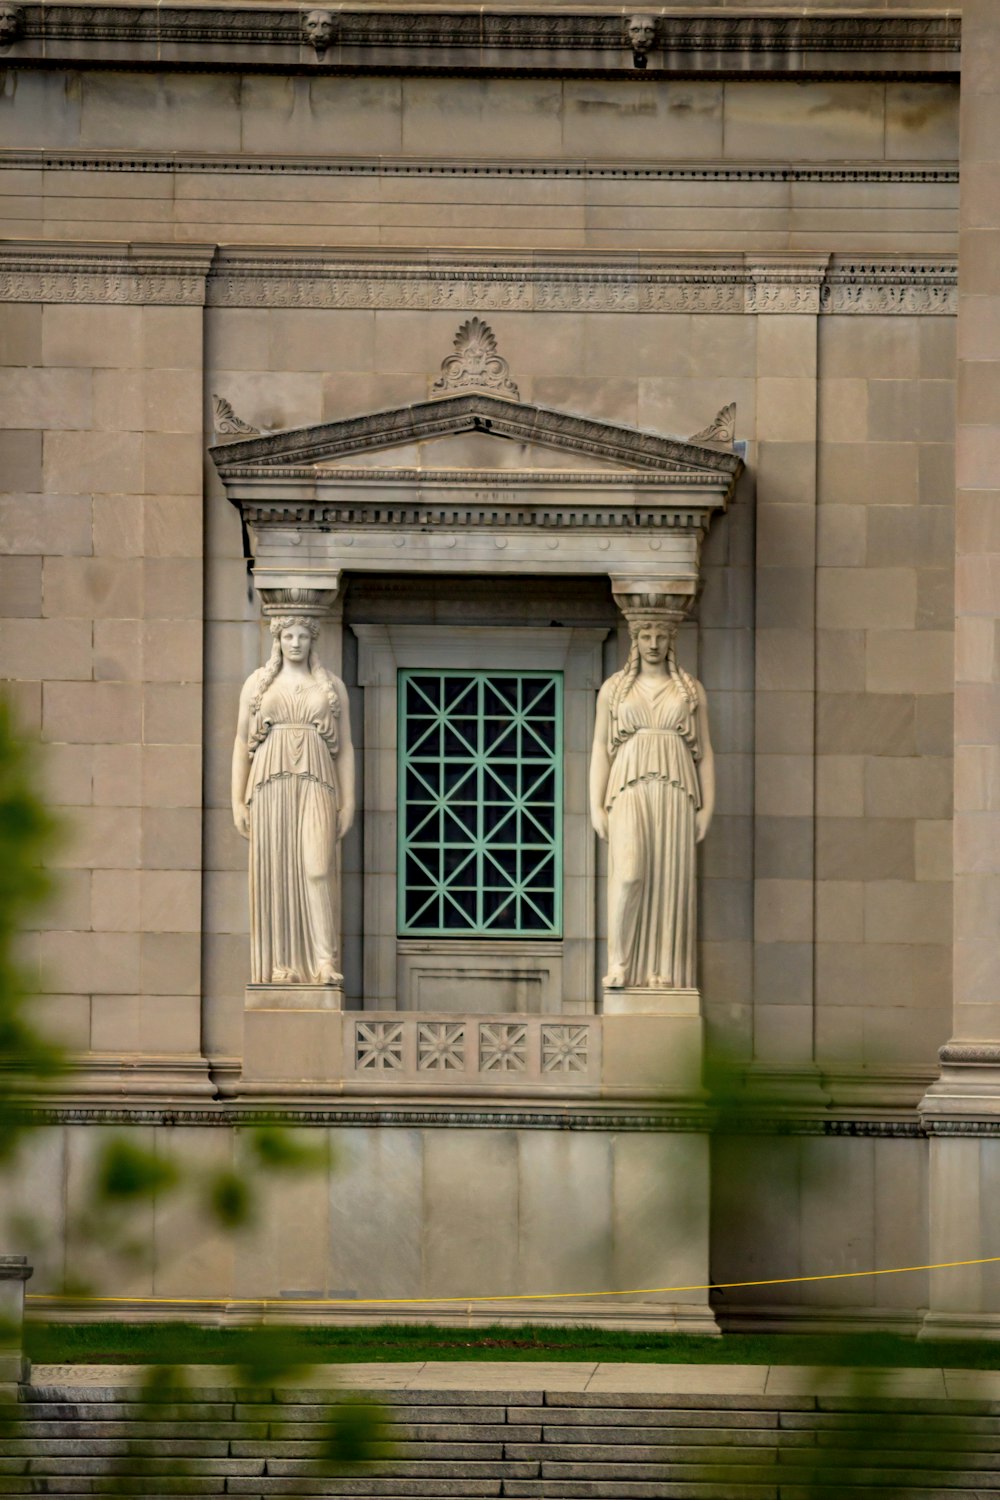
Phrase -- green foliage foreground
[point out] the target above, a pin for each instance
(181, 1343)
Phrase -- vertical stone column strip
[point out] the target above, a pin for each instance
(377, 676)
(962, 1109)
(785, 295)
(108, 510)
(970, 1081)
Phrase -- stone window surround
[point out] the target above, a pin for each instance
(567, 969)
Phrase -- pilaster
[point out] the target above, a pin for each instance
(787, 298)
(962, 1109)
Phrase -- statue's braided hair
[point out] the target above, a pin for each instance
(625, 680)
(273, 665)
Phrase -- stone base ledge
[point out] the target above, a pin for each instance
(968, 1087)
(801, 1319)
(294, 997)
(957, 1325)
(105, 1075)
(647, 1054)
(650, 1315)
(649, 1002)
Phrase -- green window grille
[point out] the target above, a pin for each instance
(480, 804)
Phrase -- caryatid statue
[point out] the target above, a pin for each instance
(652, 793)
(293, 798)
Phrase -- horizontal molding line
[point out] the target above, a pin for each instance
(228, 1116)
(401, 166)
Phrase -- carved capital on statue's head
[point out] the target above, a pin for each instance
(303, 604)
(320, 30)
(11, 22)
(645, 601)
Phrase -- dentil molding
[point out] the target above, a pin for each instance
(497, 167)
(37, 271)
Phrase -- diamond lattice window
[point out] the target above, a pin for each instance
(480, 804)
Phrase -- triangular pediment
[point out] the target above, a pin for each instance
(476, 431)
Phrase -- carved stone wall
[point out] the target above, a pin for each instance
(291, 229)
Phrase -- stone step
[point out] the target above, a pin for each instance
(207, 1468)
(141, 1447)
(45, 1431)
(463, 1445)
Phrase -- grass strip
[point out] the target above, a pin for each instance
(182, 1343)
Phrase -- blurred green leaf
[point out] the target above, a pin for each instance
(357, 1433)
(278, 1149)
(28, 833)
(266, 1359)
(229, 1199)
(126, 1172)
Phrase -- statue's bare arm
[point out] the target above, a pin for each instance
(345, 761)
(600, 762)
(706, 770)
(241, 759)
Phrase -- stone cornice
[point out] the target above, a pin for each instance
(33, 271)
(466, 39)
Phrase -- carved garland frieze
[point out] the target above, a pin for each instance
(39, 273)
(714, 287)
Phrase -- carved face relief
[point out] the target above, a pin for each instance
(319, 29)
(295, 643)
(654, 643)
(11, 24)
(641, 33)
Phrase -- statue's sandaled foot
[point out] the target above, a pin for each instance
(282, 976)
(328, 975)
(614, 979)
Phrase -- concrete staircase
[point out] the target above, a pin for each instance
(94, 1440)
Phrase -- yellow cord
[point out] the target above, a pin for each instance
(642, 1291)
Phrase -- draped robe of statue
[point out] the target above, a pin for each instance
(293, 801)
(652, 796)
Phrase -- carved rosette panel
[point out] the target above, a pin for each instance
(464, 1053)
(565, 1049)
(378, 1046)
(441, 1046)
(503, 1047)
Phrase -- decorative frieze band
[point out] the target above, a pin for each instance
(473, 38)
(40, 272)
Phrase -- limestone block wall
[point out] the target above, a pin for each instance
(884, 661)
(101, 529)
(808, 1206)
(824, 634)
(402, 1213)
(175, 120)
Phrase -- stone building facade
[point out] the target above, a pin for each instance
(236, 271)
